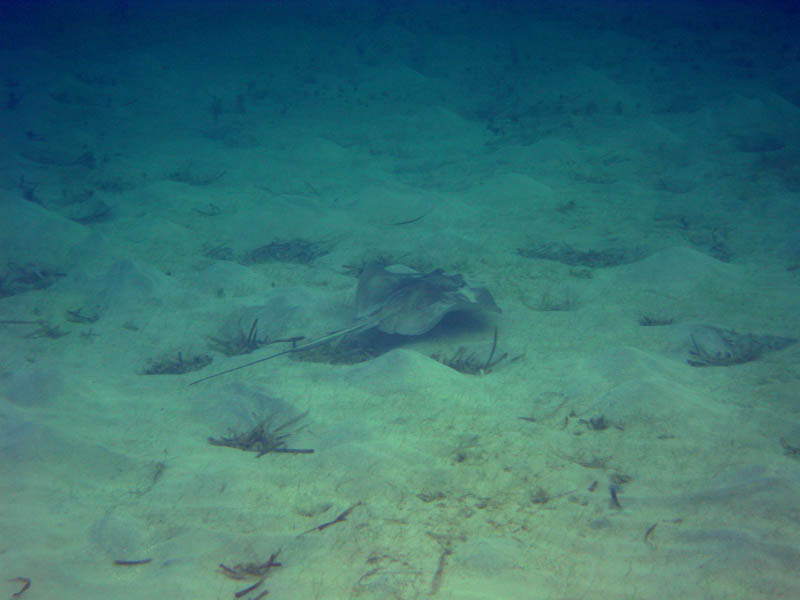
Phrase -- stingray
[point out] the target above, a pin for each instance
(399, 300)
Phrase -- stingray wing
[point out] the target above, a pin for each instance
(412, 303)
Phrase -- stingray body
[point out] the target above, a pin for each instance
(402, 301)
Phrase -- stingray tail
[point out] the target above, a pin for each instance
(334, 335)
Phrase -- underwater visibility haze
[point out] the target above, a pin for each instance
(396, 300)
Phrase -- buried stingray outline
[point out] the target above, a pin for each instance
(399, 300)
